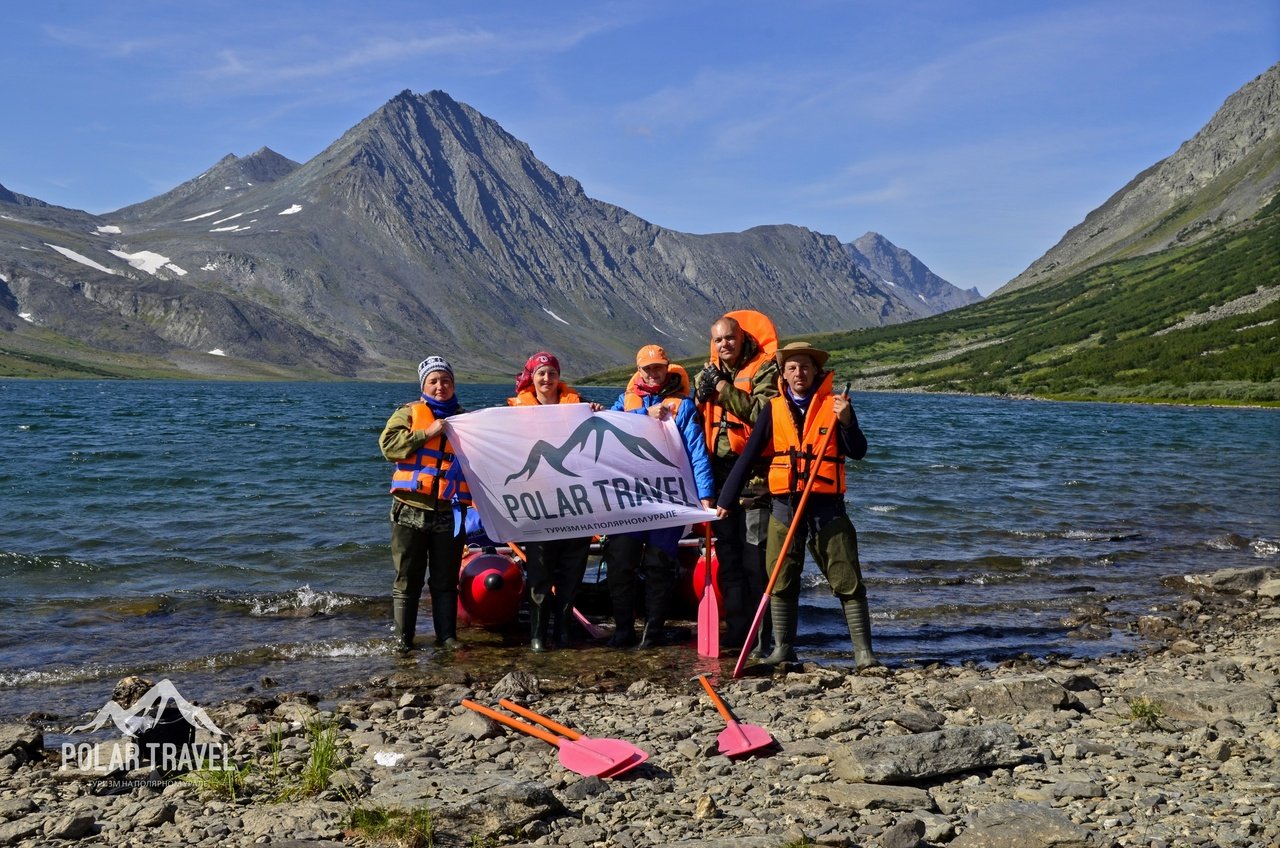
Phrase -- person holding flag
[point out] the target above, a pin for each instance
(732, 390)
(660, 390)
(554, 568)
(429, 501)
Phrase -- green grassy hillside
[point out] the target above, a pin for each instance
(1115, 332)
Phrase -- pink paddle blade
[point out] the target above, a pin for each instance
(738, 739)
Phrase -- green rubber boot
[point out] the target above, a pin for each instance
(785, 614)
(858, 618)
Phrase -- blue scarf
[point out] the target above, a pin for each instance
(443, 408)
(801, 403)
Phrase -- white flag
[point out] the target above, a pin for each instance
(554, 472)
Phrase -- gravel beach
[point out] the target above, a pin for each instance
(1177, 745)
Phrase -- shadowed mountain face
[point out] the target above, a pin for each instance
(426, 228)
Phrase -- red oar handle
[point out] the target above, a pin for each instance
(511, 722)
(540, 719)
(715, 699)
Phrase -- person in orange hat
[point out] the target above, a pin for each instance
(790, 431)
(554, 568)
(659, 389)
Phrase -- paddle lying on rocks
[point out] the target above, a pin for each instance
(708, 610)
(754, 629)
(737, 738)
(587, 757)
(638, 754)
(588, 625)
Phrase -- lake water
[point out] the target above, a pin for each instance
(219, 533)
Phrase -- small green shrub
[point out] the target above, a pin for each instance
(1146, 712)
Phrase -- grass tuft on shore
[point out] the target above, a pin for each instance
(1146, 712)
(407, 829)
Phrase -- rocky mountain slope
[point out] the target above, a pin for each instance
(1220, 177)
(426, 227)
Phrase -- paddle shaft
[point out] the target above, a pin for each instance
(715, 699)
(530, 729)
(540, 719)
(786, 544)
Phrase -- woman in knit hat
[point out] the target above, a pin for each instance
(429, 501)
(554, 568)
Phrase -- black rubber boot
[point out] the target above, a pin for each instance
(737, 618)
(785, 614)
(560, 624)
(444, 617)
(404, 614)
(539, 621)
(858, 618)
(658, 576)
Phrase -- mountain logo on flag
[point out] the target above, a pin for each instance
(594, 427)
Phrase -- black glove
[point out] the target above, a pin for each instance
(708, 377)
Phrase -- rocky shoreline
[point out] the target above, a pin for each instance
(1178, 745)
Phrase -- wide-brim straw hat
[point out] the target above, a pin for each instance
(784, 353)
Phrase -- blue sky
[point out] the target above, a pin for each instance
(973, 134)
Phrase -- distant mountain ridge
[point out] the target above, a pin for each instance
(424, 228)
(882, 260)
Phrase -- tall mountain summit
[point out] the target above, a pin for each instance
(424, 228)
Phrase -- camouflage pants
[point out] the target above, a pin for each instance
(422, 542)
(834, 547)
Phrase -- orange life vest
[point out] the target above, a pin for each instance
(714, 415)
(432, 470)
(632, 400)
(528, 397)
(794, 454)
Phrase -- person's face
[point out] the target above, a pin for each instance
(438, 385)
(655, 375)
(799, 372)
(546, 379)
(728, 342)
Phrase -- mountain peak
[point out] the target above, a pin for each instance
(882, 260)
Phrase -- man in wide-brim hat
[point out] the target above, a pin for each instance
(796, 433)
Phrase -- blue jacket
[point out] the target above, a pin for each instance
(689, 423)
